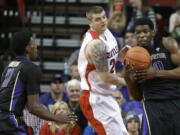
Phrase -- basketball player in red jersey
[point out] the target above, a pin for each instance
(96, 65)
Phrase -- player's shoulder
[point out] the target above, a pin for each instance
(87, 39)
(27, 63)
(30, 67)
(170, 44)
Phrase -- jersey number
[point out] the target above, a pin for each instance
(112, 62)
(158, 65)
(7, 77)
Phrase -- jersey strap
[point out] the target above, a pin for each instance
(94, 34)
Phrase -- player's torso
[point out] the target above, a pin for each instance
(12, 94)
(90, 79)
(161, 88)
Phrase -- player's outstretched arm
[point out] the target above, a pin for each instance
(37, 109)
(96, 55)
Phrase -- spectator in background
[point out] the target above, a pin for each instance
(135, 106)
(141, 9)
(118, 17)
(74, 91)
(74, 55)
(89, 130)
(120, 100)
(132, 123)
(129, 40)
(74, 74)
(174, 20)
(56, 93)
(174, 25)
(33, 121)
(119, 97)
(54, 128)
(176, 34)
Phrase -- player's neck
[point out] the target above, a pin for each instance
(98, 32)
(101, 34)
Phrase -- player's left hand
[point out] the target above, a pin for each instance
(142, 75)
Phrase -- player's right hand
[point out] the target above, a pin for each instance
(66, 118)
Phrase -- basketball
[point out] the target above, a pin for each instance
(139, 57)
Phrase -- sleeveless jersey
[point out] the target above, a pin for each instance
(160, 88)
(20, 78)
(90, 80)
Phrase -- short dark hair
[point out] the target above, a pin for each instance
(20, 40)
(144, 21)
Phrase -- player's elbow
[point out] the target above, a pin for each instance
(104, 76)
(105, 80)
(32, 108)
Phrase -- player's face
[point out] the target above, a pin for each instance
(144, 35)
(32, 51)
(98, 22)
(74, 93)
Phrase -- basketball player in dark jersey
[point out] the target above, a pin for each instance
(20, 86)
(159, 85)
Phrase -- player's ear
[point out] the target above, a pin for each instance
(89, 22)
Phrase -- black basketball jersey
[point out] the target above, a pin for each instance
(160, 88)
(20, 78)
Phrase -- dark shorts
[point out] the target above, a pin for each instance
(11, 125)
(163, 117)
